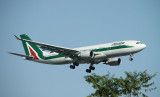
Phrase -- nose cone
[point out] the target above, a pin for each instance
(139, 47)
(143, 46)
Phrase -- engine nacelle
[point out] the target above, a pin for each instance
(113, 61)
(86, 54)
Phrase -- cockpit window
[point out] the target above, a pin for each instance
(138, 43)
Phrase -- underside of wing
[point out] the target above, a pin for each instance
(61, 50)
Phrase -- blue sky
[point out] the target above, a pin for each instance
(71, 23)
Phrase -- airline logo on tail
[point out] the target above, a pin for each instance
(32, 52)
(30, 48)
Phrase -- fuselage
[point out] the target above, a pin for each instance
(57, 55)
(102, 51)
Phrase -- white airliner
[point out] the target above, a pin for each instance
(106, 53)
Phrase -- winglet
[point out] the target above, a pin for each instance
(18, 37)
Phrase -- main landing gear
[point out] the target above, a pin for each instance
(91, 67)
(74, 64)
(131, 59)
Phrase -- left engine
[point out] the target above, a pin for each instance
(113, 61)
(86, 54)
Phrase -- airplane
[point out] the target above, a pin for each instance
(56, 55)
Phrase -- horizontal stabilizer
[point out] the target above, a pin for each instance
(17, 37)
(25, 56)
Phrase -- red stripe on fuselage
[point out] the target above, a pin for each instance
(33, 54)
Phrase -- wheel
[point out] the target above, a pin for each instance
(76, 64)
(131, 59)
(91, 68)
(88, 70)
(72, 66)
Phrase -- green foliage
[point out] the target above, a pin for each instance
(104, 85)
(109, 86)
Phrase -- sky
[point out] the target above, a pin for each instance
(72, 24)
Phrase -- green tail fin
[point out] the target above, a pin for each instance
(30, 48)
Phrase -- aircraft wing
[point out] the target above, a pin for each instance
(61, 50)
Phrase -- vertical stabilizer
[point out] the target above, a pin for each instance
(30, 48)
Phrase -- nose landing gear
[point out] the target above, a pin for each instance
(131, 59)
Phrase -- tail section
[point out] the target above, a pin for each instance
(31, 49)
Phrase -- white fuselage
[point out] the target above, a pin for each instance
(101, 51)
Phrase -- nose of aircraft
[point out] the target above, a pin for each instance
(143, 46)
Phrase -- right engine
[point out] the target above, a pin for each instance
(113, 61)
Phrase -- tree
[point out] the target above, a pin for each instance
(133, 84)
(105, 85)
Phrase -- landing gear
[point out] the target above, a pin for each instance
(88, 70)
(74, 64)
(131, 59)
(91, 67)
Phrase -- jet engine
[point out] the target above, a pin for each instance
(86, 54)
(113, 61)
